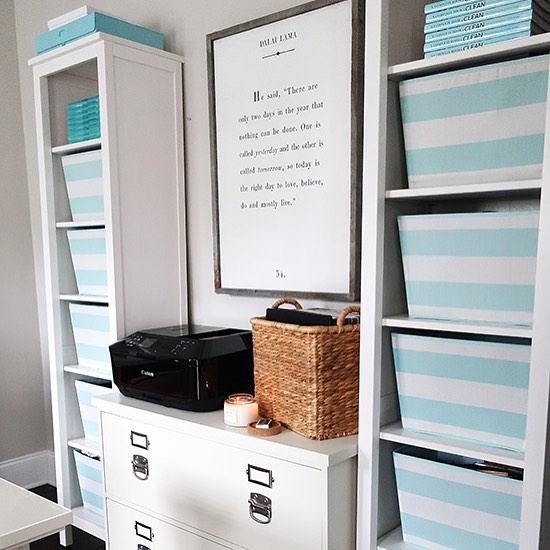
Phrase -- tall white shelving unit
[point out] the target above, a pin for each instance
(141, 143)
(394, 36)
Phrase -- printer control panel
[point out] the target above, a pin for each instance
(154, 345)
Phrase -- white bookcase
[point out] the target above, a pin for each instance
(394, 38)
(142, 153)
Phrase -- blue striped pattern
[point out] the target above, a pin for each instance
(84, 179)
(88, 251)
(90, 478)
(494, 150)
(495, 284)
(429, 369)
(83, 171)
(471, 242)
(485, 370)
(445, 504)
(482, 155)
(91, 334)
(476, 98)
(473, 418)
(458, 539)
(492, 297)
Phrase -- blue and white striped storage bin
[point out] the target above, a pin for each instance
(86, 390)
(90, 478)
(466, 389)
(84, 180)
(88, 252)
(470, 267)
(444, 506)
(91, 335)
(478, 125)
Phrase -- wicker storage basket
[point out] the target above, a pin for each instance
(307, 377)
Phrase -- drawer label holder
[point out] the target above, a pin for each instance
(139, 440)
(143, 531)
(261, 476)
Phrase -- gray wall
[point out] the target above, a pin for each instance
(22, 413)
(185, 24)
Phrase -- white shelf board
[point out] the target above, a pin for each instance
(89, 521)
(487, 329)
(86, 445)
(394, 541)
(87, 371)
(460, 191)
(88, 145)
(84, 299)
(80, 225)
(508, 49)
(395, 433)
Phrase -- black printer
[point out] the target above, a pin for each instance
(190, 367)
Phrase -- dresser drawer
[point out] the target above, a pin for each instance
(131, 529)
(250, 499)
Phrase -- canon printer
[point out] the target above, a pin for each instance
(188, 367)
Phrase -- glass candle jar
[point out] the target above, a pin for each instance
(240, 409)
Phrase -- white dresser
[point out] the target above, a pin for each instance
(177, 479)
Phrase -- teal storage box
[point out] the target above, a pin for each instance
(445, 502)
(477, 125)
(477, 267)
(84, 180)
(90, 479)
(465, 389)
(86, 390)
(97, 22)
(88, 253)
(91, 336)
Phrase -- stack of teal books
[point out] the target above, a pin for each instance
(83, 120)
(459, 25)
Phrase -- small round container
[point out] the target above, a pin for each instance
(240, 409)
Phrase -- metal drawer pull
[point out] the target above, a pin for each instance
(142, 547)
(143, 531)
(261, 476)
(140, 467)
(139, 440)
(259, 508)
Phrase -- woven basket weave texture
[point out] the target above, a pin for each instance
(307, 377)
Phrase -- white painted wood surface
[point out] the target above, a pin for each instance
(26, 517)
(394, 36)
(140, 94)
(198, 478)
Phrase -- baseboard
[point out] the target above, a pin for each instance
(31, 470)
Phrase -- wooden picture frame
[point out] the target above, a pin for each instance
(286, 94)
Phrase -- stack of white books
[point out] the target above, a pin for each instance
(458, 25)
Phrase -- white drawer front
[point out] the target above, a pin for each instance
(129, 529)
(206, 485)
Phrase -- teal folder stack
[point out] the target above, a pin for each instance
(459, 25)
(83, 120)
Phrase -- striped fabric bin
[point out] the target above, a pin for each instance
(465, 389)
(84, 179)
(86, 390)
(91, 334)
(478, 125)
(90, 479)
(445, 506)
(470, 267)
(88, 252)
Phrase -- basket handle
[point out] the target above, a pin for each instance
(345, 313)
(287, 300)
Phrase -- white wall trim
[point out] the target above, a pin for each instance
(30, 471)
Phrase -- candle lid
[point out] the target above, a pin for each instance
(240, 399)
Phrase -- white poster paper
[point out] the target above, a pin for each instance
(283, 142)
